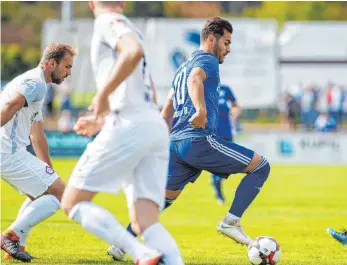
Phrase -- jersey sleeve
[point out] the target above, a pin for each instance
(209, 64)
(32, 90)
(39, 116)
(113, 29)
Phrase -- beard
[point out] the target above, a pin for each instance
(216, 52)
(55, 78)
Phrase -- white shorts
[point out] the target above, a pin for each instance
(127, 155)
(27, 173)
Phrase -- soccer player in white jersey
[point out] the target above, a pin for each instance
(131, 150)
(21, 116)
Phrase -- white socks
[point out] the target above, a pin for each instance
(103, 224)
(25, 204)
(34, 213)
(230, 218)
(24, 237)
(157, 237)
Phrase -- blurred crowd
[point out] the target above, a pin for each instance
(65, 115)
(312, 107)
(301, 107)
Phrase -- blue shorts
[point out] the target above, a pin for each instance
(188, 157)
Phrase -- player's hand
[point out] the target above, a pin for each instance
(87, 126)
(100, 105)
(199, 119)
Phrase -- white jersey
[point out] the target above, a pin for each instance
(32, 85)
(135, 92)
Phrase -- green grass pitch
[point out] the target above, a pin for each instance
(295, 206)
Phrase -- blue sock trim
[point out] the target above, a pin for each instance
(262, 163)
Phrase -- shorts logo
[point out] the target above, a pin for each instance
(49, 170)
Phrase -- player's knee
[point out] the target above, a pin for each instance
(262, 169)
(143, 214)
(140, 225)
(172, 194)
(57, 189)
(65, 206)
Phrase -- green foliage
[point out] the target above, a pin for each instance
(14, 60)
(144, 9)
(283, 11)
(18, 58)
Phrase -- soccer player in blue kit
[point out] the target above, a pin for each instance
(226, 103)
(192, 110)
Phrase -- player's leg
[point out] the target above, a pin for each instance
(217, 187)
(36, 179)
(145, 194)
(250, 186)
(338, 236)
(26, 203)
(98, 221)
(104, 166)
(257, 170)
(224, 158)
(217, 180)
(23, 239)
(179, 175)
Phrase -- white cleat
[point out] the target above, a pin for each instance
(116, 253)
(234, 230)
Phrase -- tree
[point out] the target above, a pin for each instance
(191, 9)
(284, 11)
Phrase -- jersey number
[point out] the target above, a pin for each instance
(180, 84)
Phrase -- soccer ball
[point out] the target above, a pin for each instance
(264, 250)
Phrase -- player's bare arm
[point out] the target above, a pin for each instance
(235, 111)
(167, 112)
(196, 93)
(154, 96)
(39, 142)
(130, 53)
(11, 107)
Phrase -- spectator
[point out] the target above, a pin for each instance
(325, 123)
(293, 107)
(283, 111)
(308, 107)
(66, 121)
(336, 104)
(65, 96)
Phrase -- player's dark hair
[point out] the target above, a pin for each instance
(57, 51)
(216, 27)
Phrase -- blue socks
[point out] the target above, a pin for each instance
(217, 185)
(249, 188)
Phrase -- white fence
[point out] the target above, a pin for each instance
(252, 69)
(299, 148)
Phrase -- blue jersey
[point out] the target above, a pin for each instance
(225, 101)
(182, 103)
